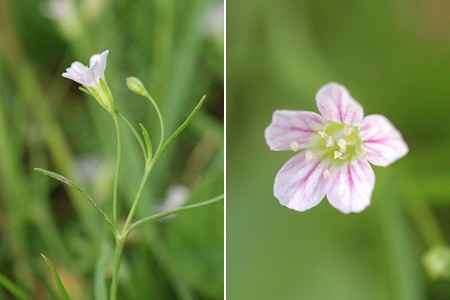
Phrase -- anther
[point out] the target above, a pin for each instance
(348, 130)
(322, 133)
(330, 142)
(342, 144)
(337, 155)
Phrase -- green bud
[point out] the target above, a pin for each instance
(437, 262)
(136, 86)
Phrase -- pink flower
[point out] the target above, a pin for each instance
(334, 152)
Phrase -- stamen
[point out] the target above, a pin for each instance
(330, 142)
(326, 174)
(294, 146)
(342, 145)
(322, 133)
(337, 155)
(348, 130)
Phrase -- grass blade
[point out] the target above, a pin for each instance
(11, 287)
(63, 294)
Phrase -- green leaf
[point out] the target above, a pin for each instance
(185, 123)
(71, 184)
(147, 141)
(63, 294)
(14, 289)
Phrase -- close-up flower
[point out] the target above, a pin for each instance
(92, 79)
(335, 150)
(88, 76)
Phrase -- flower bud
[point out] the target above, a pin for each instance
(136, 86)
(437, 262)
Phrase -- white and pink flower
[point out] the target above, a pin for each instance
(334, 152)
(88, 76)
(92, 79)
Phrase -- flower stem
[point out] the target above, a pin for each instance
(117, 167)
(120, 241)
(427, 224)
(137, 197)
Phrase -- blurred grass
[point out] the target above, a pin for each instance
(394, 58)
(46, 122)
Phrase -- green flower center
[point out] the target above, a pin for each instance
(340, 143)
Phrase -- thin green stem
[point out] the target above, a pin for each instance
(116, 267)
(171, 212)
(427, 224)
(161, 121)
(117, 167)
(137, 197)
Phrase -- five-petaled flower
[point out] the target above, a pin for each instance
(92, 79)
(334, 152)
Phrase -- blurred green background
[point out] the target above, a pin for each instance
(176, 48)
(394, 56)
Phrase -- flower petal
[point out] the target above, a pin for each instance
(290, 128)
(97, 64)
(383, 143)
(335, 104)
(80, 74)
(352, 186)
(301, 183)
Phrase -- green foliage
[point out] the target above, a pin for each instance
(45, 122)
(11, 287)
(61, 290)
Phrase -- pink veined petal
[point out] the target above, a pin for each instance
(97, 64)
(352, 186)
(290, 127)
(383, 143)
(335, 104)
(300, 184)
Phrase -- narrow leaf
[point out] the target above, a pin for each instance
(63, 295)
(71, 184)
(185, 123)
(147, 141)
(11, 287)
(174, 211)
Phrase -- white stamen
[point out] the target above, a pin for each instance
(348, 130)
(322, 134)
(330, 142)
(326, 174)
(295, 146)
(342, 145)
(337, 154)
(308, 155)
